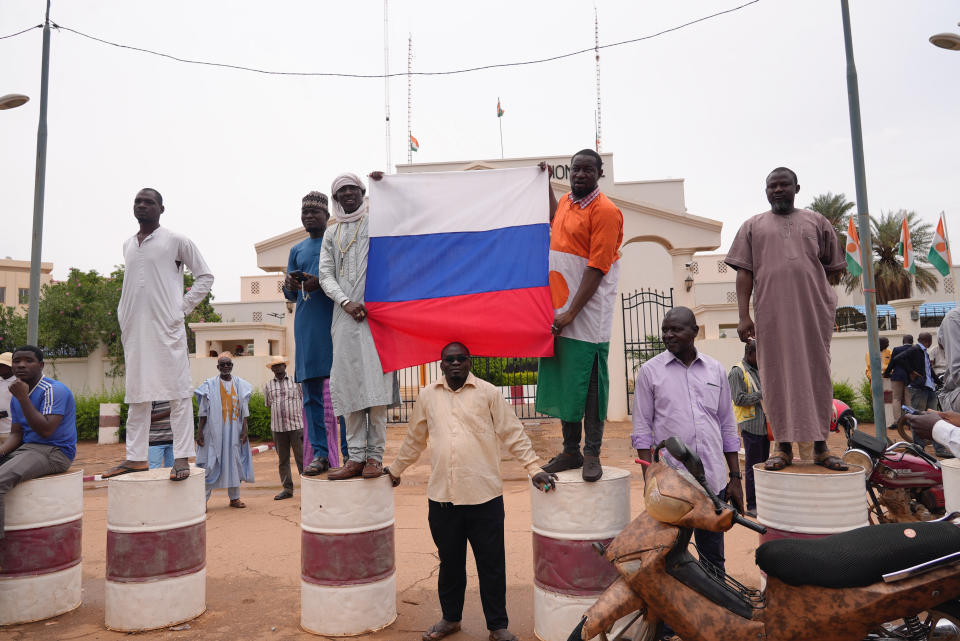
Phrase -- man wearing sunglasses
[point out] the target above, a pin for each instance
(466, 419)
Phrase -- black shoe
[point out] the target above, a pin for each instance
(286, 494)
(563, 461)
(592, 470)
(943, 452)
(317, 466)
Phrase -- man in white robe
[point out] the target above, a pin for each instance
(151, 316)
(223, 404)
(359, 388)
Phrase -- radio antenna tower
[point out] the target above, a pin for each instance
(596, 51)
(386, 82)
(409, 99)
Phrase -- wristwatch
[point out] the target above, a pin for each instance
(344, 302)
(735, 475)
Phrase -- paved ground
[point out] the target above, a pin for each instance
(253, 555)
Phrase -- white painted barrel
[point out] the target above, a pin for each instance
(156, 550)
(809, 501)
(109, 429)
(951, 484)
(347, 579)
(40, 567)
(568, 573)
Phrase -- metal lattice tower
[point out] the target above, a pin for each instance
(386, 82)
(409, 99)
(596, 51)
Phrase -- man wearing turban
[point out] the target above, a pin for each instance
(359, 388)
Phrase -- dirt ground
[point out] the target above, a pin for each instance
(253, 555)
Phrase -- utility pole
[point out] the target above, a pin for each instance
(410, 99)
(39, 183)
(596, 51)
(863, 228)
(386, 81)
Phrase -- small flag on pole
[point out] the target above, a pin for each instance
(939, 255)
(905, 248)
(854, 255)
(499, 109)
(414, 144)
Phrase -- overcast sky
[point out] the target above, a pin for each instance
(719, 104)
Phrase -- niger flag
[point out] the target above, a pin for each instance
(854, 254)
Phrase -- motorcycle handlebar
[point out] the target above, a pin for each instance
(747, 523)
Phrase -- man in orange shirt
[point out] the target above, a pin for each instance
(573, 385)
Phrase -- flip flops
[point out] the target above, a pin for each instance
(119, 469)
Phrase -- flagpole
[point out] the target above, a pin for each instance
(946, 238)
(500, 121)
(863, 224)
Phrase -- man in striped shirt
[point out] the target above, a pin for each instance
(285, 401)
(160, 452)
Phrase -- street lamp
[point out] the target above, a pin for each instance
(12, 100)
(946, 40)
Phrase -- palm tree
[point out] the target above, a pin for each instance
(834, 208)
(892, 281)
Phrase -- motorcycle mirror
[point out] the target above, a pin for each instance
(677, 449)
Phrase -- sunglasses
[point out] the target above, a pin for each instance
(458, 358)
(224, 364)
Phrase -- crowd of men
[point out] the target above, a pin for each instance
(786, 260)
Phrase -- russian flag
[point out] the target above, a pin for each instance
(459, 256)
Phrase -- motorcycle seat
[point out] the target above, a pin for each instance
(859, 557)
(870, 444)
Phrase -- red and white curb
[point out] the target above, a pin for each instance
(257, 449)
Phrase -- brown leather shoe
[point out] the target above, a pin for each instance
(373, 469)
(348, 471)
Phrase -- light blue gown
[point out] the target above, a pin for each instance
(226, 460)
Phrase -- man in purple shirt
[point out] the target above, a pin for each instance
(685, 394)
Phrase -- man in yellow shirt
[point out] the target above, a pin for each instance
(466, 419)
(884, 356)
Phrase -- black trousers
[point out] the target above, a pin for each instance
(591, 426)
(284, 442)
(482, 525)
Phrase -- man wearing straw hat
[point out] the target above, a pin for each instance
(285, 401)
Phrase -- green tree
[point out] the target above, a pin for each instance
(80, 313)
(13, 328)
(836, 209)
(892, 280)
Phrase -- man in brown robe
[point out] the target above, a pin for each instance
(787, 259)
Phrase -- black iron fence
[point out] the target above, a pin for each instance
(515, 377)
(643, 312)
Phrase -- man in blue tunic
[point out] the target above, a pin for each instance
(314, 353)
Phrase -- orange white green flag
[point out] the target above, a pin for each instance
(939, 255)
(414, 143)
(854, 254)
(905, 248)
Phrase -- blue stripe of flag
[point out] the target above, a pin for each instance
(456, 264)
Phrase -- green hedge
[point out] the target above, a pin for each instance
(88, 415)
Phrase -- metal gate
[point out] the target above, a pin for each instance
(643, 313)
(516, 378)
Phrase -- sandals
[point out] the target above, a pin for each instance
(237, 503)
(777, 461)
(440, 629)
(120, 468)
(831, 462)
(180, 471)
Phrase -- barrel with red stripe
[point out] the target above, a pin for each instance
(568, 574)
(40, 568)
(347, 578)
(156, 550)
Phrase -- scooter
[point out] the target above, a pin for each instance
(839, 588)
(904, 483)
